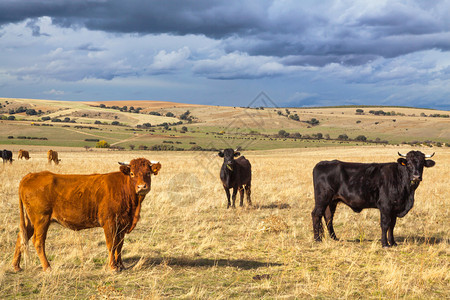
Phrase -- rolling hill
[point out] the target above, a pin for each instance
(178, 126)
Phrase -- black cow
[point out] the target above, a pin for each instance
(236, 173)
(6, 156)
(388, 187)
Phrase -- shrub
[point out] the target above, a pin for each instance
(343, 137)
(361, 138)
(102, 144)
(169, 114)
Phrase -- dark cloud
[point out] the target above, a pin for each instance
(89, 47)
(35, 29)
(269, 28)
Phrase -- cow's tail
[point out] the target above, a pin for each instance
(23, 230)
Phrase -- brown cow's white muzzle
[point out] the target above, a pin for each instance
(142, 188)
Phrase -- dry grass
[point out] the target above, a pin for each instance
(188, 245)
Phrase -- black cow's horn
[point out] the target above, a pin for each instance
(429, 156)
(402, 155)
(123, 163)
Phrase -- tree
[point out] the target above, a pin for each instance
(31, 112)
(361, 138)
(359, 111)
(131, 146)
(343, 137)
(102, 144)
(296, 135)
(283, 133)
(169, 114)
(184, 128)
(115, 123)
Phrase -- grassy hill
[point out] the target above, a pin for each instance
(169, 125)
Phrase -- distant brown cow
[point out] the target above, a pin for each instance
(23, 154)
(52, 156)
(112, 201)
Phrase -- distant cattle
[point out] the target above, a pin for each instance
(52, 156)
(23, 154)
(388, 187)
(235, 174)
(112, 201)
(7, 156)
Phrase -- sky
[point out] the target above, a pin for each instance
(297, 53)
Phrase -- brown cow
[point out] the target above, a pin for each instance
(112, 201)
(52, 156)
(23, 154)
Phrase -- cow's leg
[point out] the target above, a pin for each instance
(329, 214)
(316, 215)
(391, 231)
(322, 200)
(235, 189)
(241, 194)
(227, 191)
(118, 251)
(385, 222)
(248, 192)
(18, 251)
(110, 235)
(40, 234)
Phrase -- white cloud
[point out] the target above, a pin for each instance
(171, 60)
(54, 92)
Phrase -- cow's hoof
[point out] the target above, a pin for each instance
(17, 269)
(386, 246)
(394, 244)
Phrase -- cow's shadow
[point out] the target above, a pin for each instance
(199, 262)
(272, 206)
(419, 240)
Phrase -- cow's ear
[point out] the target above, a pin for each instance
(124, 168)
(402, 161)
(429, 163)
(155, 166)
(236, 154)
(220, 153)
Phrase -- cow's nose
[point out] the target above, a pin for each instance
(142, 187)
(417, 178)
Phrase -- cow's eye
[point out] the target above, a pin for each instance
(131, 174)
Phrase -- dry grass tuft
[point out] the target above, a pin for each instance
(272, 224)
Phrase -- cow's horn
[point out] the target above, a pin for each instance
(430, 155)
(402, 155)
(124, 163)
(154, 162)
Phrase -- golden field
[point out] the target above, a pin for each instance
(188, 245)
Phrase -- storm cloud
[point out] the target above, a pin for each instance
(396, 43)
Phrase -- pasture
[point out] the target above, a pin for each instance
(188, 245)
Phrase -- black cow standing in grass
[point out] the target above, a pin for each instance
(235, 174)
(388, 187)
(7, 156)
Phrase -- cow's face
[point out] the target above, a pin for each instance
(415, 162)
(228, 157)
(140, 170)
